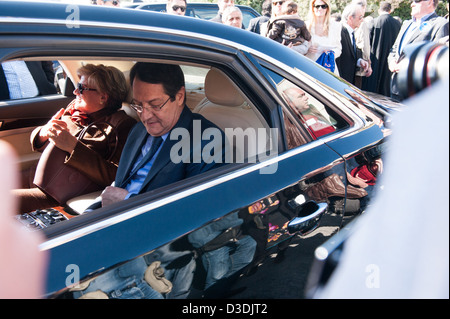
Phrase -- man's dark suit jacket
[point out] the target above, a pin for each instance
(434, 28)
(164, 171)
(382, 37)
(42, 73)
(255, 24)
(346, 62)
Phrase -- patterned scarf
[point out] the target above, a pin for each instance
(77, 116)
(83, 118)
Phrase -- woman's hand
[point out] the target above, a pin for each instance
(56, 132)
(62, 139)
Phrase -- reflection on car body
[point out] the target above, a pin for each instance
(200, 236)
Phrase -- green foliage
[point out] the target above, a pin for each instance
(403, 11)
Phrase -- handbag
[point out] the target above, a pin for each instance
(326, 59)
(61, 181)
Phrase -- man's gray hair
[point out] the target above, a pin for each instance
(350, 10)
(229, 10)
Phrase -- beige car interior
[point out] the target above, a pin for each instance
(209, 92)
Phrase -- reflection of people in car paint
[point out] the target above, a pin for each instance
(315, 121)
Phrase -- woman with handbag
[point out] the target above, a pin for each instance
(82, 143)
(325, 35)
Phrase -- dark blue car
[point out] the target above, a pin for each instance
(307, 153)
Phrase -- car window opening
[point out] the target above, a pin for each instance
(209, 92)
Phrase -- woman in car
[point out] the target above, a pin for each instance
(95, 115)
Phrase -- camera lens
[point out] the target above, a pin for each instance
(422, 64)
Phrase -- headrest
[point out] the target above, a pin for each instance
(220, 90)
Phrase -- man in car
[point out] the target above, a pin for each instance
(151, 156)
(177, 7)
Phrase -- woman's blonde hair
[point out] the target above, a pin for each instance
(312, 16)
(106, 79)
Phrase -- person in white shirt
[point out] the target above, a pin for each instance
(325, 32)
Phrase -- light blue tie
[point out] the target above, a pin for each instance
(147, 156)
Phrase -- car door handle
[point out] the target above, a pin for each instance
(303, 225)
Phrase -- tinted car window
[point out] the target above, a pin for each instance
(305, 108)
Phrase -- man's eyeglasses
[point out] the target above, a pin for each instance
(82, 88)
(417, 1)
(277, 3)
(175, 8)
(139, 108)
(323, 6)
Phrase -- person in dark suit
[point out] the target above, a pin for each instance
(159, 98)
(42, 76)
(255, 23)
(425, 25)
(382, 37)
(351, 57)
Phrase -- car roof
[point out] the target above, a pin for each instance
(117, 18)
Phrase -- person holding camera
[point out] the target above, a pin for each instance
(425, 25)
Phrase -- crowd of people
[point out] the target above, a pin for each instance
(365, 51)
(361, 49)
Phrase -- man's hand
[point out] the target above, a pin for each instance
(365, 65)
(394, 67)
(369, 71)
(113, 195)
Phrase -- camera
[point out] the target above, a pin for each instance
(421, 64)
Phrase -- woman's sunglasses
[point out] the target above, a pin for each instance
(323, 6)
(81, 88)
(175, 8)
